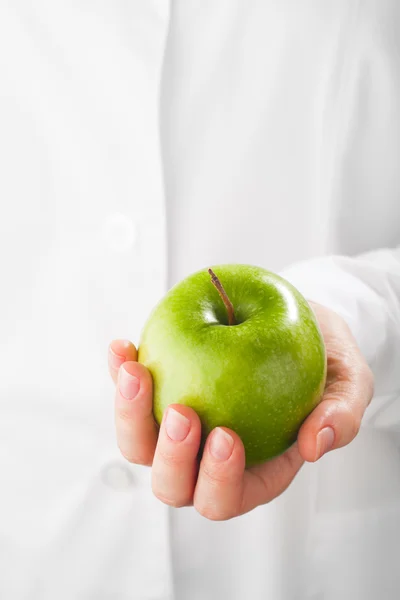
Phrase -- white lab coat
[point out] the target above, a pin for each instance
(139, 142)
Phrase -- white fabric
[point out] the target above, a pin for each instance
(139, 142)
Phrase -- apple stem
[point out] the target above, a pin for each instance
(229, 306)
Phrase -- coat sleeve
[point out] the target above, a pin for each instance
(365, 291)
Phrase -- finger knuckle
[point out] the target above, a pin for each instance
(353, 422)
(216, 477)
(136, 457)
(124, 416)
(170, 460)
(171, 500)
(341, 361)
(293, 459)
(367, 377)
(347, 363)
(214, 513)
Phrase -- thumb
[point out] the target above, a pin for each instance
(337, 419)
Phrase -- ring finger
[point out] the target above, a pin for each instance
(175, 466)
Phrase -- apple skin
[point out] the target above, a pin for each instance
(261, 377)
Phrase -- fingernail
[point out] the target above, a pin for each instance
(115, 360)
(128, 384)
(325, 440)
(221, 444)
(177, 425)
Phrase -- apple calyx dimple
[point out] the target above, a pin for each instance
(229, 306)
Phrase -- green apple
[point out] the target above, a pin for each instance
(242, 347)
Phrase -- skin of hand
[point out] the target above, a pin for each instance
(219, 487)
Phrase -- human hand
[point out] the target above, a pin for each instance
(219, 486)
